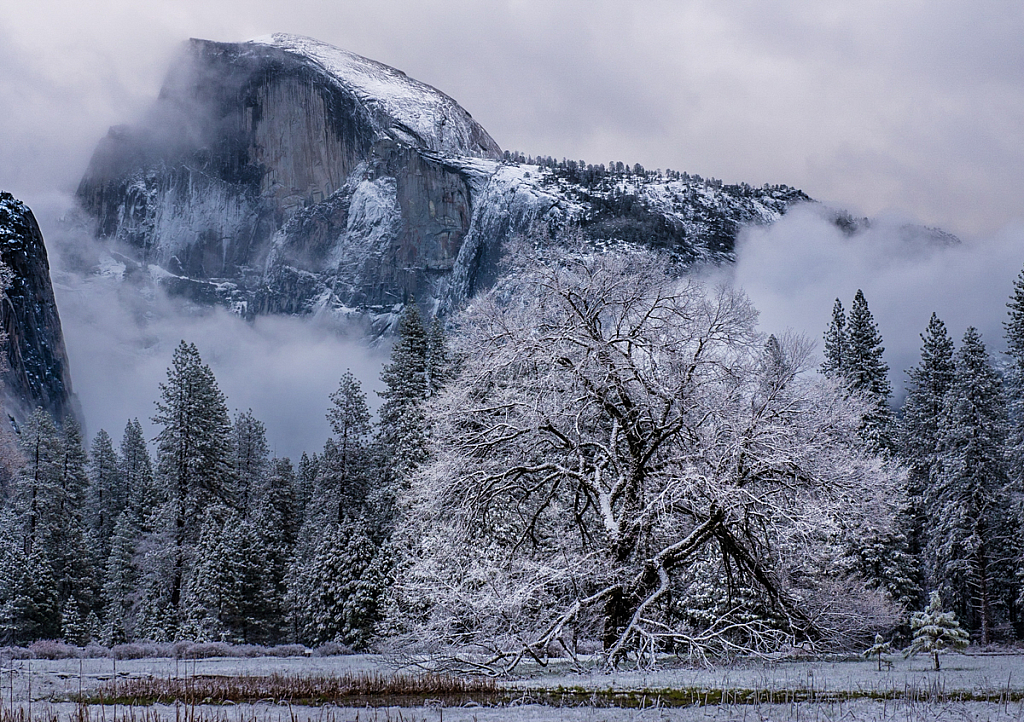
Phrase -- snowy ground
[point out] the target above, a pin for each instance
(52, 681)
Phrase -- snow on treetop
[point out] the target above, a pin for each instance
(422, 115)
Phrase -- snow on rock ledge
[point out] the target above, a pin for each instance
(413, 112)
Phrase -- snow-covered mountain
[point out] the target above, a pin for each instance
(284, 175)
(36, 372)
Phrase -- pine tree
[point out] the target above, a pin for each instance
(278, 522)
(31, 602)
(252, 461)
(968, 500)
(439, 363)
(833, 366)
(72, 563)
(32, 608)
(919, 433)
(157, 563)
(120, 580)
(866, 372)
(72, 627)
(278, 508)
(194, 451)
(107, 496)
(207, 584)
(401, 436)
(136, 467)
(38, 489)
(305, 482)
(1014, 327)
(880, 556)
(853, 356)
(344, 465)
(338, 592)
(877, 649)
(228, 591)
(936, 631)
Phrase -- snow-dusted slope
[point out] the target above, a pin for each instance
(412, 112)
(283, 175)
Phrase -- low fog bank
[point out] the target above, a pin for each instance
(794, 270)
(120, 339)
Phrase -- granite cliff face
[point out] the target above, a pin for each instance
(36, 372)
(284, 175)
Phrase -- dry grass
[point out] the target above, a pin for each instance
(357, 689)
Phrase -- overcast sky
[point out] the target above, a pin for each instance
(914, 105)
(907, 110)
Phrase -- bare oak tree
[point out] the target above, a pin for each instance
(609, 426)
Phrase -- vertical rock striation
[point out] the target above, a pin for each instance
(36, 372)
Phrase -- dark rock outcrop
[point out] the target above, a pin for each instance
(36, 372)
(286, 176)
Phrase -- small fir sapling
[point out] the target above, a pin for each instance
(877, 649)
(936, 631)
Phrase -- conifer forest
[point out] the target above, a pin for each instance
(599, 457)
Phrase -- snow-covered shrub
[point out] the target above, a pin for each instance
(286, 650)
(95, 651)
(205, 650)
(53, 649)
(332, 649)
(16, 653)
(140, 650)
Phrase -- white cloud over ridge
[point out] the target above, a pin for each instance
(794, 270)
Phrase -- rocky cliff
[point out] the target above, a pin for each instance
(36, 371)
(284, 175)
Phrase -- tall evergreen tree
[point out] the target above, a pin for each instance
(30, 603)
(967, 502)
(1014, 326)
(194, 452)
(867, 373)
(278, 521)
(338, 593)
(252, 461)
(38, 488)
(107, 496)
(401, 436)
(305, 482)
(228, 591)
(834, 366)
(29, 608)
(72, 562)
(344, 467)
(853, 356)
(120, 580)
(919, 434)
(136, 467)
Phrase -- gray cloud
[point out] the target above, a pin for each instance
(795, 269)
(913, 106)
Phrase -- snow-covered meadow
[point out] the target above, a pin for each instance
(969, 687)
